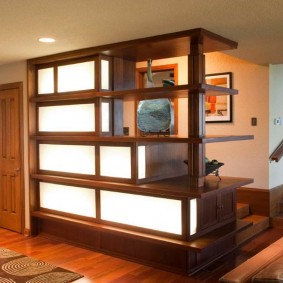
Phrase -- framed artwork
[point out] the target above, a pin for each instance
(218, 109)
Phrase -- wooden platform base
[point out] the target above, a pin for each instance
(168, 254)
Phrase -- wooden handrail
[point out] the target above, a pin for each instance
(277, 153)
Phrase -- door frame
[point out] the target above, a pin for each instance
(19, 86)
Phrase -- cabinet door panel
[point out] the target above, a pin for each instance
(209, 211)
(227, 200)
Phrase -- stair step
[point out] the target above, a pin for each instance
(260, 223)
(243, 210)
(277, 221)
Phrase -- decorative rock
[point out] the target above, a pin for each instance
(154, 115)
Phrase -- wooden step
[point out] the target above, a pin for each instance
(277, 221)
(260, 223)
(243, 210)
(218, 235)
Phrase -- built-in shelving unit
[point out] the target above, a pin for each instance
(130, 196)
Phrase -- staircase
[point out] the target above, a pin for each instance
(259, 223)
(277, 221)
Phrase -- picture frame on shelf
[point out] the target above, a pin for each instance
(219, 109)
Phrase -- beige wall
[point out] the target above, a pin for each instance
(17, 73)
(275, 131)
(241, 158)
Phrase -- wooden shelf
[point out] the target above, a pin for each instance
(149, 139)
(177, 187)
(196, 245)
(156, 47)
(178, 91)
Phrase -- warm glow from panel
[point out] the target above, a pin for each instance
(75, 77)
(69, 199)
(142, 211)
(105, 74)
(67, 118)
(115, 161)
(45, 80)
(193, 216)
(105, 118)
(141, 162)
(67, 158)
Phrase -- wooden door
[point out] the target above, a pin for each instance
(11, 191)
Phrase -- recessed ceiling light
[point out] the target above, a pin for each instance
(46, 39)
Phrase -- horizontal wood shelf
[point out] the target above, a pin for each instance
(155, 47)
(177, 187)
(149, 139)
(178, 91)
(196, 245)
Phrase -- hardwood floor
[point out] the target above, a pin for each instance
(101, 268)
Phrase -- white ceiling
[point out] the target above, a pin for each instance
(257, 25)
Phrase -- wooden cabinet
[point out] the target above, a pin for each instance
(151, 169)
(217, 208)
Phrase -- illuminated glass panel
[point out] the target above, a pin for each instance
(115, 161)
(142, 211)
(69, 199)
(67, 158)
(67, 118)
(46, 80)
(193, 216)
(75, 77)
(105, 74)
(141, 162)
(105, 118)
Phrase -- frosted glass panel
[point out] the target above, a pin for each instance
(148, 212)
(105, 119)
(67, 158)
(74, 77)
(70, 199)
(46, 81)
(141, 162)
(104, 74)
(193, 216)
(115, 161)
(67, 118)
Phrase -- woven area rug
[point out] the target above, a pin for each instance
(17, 268)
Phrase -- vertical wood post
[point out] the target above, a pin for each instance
(196, 112)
